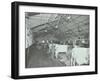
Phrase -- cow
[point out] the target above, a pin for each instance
(80, 55)
(60, 48)
(54, 49)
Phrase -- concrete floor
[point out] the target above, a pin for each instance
(40, 58)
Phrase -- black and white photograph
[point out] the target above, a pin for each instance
(50, 40)
(56, 40)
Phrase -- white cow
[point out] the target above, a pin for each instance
(80, 55)
(60, 48)
(51, 47)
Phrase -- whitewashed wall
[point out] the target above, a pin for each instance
(28, 33)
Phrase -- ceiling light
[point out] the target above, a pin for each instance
(45, 30)
(56, 26)
(43, 41)
(69, 17)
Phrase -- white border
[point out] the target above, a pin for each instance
(53, 70)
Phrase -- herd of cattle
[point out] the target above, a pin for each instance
(70, 56)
